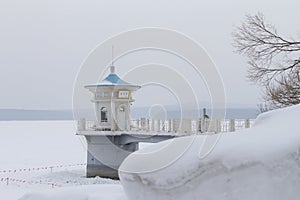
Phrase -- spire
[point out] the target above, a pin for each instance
(112, 55)
(112, 67)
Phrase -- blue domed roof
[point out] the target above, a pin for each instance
(113, 80)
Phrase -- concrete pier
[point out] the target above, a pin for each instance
(106, 153)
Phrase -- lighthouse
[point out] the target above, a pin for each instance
(112, 101)
(112, 137)
(106, 148)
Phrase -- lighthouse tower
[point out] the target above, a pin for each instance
(111, 138)
(112, 99)
(106, 145)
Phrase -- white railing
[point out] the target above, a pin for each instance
(175, 125)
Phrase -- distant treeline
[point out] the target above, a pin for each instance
(18, 114)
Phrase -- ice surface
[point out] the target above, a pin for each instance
(91, 192)
(36, 145)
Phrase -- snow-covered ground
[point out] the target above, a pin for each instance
(258, 163)
(41, 155)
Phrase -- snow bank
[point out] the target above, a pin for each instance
(95, 192)
(258, 163)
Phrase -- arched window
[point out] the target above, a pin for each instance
(122, 109)
(103, 114)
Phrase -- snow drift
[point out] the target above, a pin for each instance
(258, 163)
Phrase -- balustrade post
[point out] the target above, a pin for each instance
(81, 124)
(138, 124)
(143, 124)
(159, 125)
(231, 125)
(152, 125)
(148, 125)
(247, 123)
(169, 125)
(176, 124)
(205, 122)
(218, 126)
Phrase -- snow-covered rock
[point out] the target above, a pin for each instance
(258, 163)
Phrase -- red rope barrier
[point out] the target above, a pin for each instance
(40, 168)
(40, 182)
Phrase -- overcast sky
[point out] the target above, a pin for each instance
(43, 43)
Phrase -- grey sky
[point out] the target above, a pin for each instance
(43, 43)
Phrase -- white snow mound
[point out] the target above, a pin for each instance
(258, 163)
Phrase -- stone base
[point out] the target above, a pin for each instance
(105, 155)
(102, 171)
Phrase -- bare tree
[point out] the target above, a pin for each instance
(274, 61)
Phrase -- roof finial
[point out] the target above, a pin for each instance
(112, 67)
(112, 55)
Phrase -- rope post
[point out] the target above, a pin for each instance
(7, 181)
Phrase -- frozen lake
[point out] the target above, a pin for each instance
(37, 155)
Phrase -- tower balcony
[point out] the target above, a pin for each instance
(93, 125)
(176, 127)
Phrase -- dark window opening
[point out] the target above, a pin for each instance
(103, 114)
(121, 109)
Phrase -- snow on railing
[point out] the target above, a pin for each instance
(175, 125)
